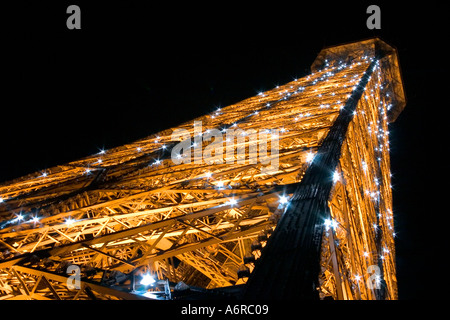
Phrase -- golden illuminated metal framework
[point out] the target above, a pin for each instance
(129, 212)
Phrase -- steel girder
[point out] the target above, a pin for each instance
(131, 210)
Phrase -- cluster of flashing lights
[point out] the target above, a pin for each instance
(320, 75)
(381, 135)
(314, 78)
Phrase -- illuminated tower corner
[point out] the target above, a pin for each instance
(336, 238)
(292, 202)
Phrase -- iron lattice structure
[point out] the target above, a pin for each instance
(316, 226)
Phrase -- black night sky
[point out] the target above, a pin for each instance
(133, 70)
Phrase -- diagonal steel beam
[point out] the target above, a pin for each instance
(94, 286)
(290, 263)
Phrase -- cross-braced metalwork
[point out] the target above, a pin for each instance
(319, 224)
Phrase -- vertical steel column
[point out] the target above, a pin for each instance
(289, 266)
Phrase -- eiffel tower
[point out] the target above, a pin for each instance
(158, 219)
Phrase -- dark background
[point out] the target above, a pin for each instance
(133, 70)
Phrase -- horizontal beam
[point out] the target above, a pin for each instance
(94, 286)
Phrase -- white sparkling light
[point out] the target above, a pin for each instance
(330, 223)
(364, 164)
(147, 280)
(310, 157)
(336, 176)
(284, 199)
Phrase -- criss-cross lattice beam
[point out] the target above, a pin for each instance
(203, 213)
